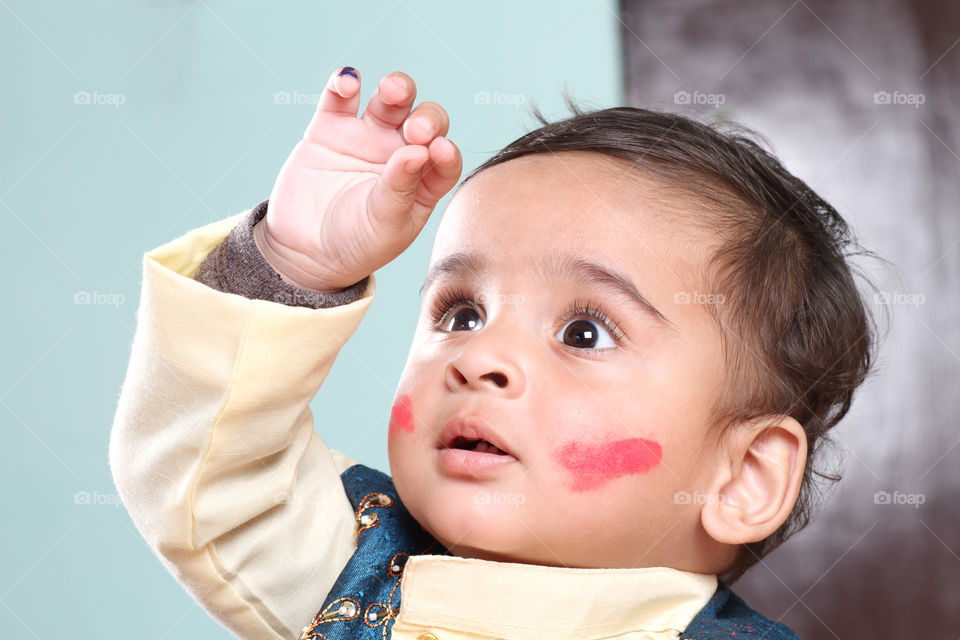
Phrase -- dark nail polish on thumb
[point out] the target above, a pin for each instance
(349, 71)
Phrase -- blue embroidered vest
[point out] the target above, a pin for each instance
(365, 599)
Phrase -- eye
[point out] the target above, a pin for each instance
(461, 318)
(589, 327)
(585, 334)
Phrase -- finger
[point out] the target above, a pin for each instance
(390, 103)
(441, 172)
(342, 93)
(428, 121)
(395, 192)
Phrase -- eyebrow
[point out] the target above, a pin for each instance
(471, 266)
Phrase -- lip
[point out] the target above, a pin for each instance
(471, 428)
(465, 462)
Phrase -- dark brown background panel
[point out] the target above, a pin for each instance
(862, 100)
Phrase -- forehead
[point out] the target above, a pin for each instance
(571, 203)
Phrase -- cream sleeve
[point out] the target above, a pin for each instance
(213, 449)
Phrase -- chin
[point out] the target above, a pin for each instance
(477, 531)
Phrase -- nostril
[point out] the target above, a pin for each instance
(498, 379)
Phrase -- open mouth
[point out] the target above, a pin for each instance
(480, 446)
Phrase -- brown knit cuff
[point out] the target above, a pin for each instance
(237, 266)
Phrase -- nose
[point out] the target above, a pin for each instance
(487, 362)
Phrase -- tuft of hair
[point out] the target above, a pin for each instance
(798, 337)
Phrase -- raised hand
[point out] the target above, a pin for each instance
(355, 192)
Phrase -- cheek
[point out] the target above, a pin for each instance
(592, 465)
(401, 416)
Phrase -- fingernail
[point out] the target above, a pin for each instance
(349, 71)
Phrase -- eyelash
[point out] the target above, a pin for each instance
(597, 313)
(449, 299)
(446, 300)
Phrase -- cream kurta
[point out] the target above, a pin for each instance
(214, 454)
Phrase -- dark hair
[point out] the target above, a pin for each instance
(797, 336)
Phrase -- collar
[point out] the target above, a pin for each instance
(528, 602)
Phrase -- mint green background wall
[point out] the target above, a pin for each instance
(122, 127)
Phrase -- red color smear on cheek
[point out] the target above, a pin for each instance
(401, 416)
(593, 465)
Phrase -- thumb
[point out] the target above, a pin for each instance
(394, 193)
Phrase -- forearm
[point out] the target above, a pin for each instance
(213, 449)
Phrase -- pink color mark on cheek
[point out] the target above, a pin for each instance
(401, 416)
(593, 465)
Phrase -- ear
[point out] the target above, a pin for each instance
(757, 481)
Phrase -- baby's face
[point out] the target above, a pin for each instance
(557, 392)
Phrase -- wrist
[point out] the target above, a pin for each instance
(283, 267)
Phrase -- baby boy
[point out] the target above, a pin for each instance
(635, 330)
